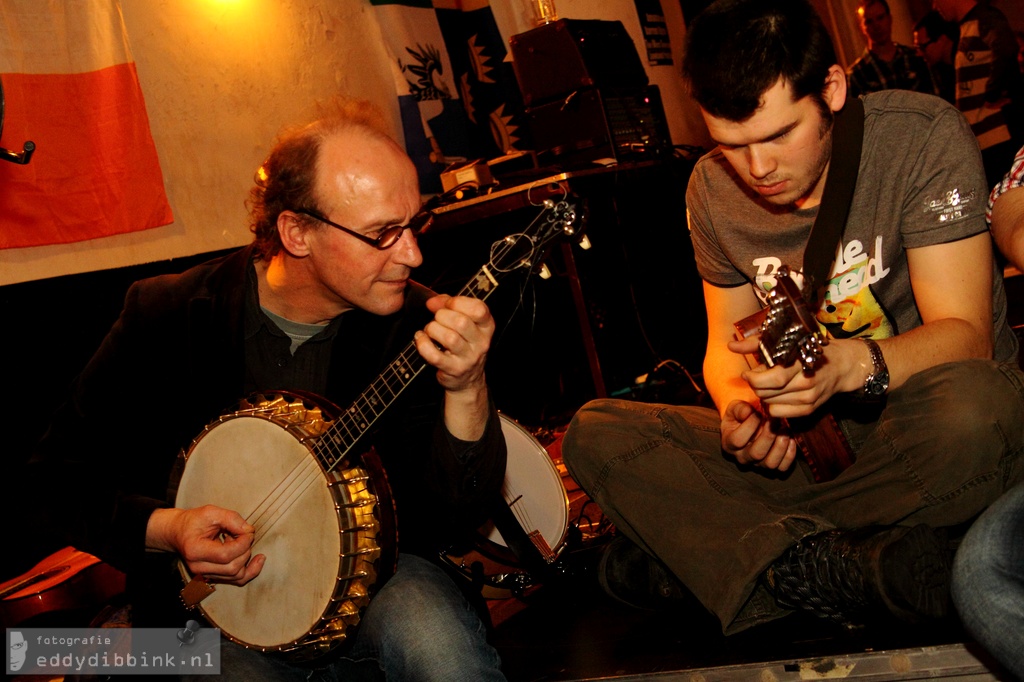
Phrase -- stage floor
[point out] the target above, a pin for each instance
(579, 634)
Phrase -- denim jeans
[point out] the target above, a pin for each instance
(946, 444)
(418, 627)
(988, 580)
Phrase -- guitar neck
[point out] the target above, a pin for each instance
(334, 445)
(822, 443)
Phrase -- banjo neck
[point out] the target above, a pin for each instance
(335, 444)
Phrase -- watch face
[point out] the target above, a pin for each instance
(878, 383)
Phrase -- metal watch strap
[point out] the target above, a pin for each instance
(877, 382)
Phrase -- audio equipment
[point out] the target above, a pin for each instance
(587, 94)
(555, 59)
(592, 125)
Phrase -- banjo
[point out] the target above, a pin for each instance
(323, 511)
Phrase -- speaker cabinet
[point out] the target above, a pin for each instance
(558, 58)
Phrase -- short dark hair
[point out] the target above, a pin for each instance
(738, 49)
(287, 179)
(936, 26)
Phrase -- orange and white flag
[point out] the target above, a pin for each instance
(70, 86)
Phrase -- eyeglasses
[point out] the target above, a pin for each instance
(388, 237)
(925, 44)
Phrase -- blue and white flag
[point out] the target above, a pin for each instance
(457, 95)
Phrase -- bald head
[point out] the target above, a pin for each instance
(357, 165)
(288, 179)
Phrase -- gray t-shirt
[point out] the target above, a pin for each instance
(920, 183)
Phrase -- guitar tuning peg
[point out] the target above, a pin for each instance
(544, 272)
(585, 243)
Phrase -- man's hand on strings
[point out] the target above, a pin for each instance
(213, 542)
(462, 327)
(789, 391)
(753, 439)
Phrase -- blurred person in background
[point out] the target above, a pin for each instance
(886, 64)
(988, 81)
(936, 40)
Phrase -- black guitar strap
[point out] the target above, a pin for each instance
(847, 141)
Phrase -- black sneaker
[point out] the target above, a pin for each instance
(844, 575)
(631, 576)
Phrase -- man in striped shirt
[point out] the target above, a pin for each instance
(988, 81)
(886, 64)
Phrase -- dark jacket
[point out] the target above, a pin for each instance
(173, 362)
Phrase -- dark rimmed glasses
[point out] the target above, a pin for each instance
(388, 237)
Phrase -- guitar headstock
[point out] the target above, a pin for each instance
(787, 328)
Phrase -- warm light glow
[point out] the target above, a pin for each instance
(228, 31)
(218, 8)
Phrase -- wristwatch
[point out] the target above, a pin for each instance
(877, 382)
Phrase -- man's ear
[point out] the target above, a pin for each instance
(835, 88)
(294, 234)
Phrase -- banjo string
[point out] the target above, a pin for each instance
(273, 506)
(521, 511)
(304, 474)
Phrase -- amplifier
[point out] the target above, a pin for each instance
(555, 59)
(596, 124)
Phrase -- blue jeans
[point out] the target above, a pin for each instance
(418, 627)
(947, 443)
(988, 580)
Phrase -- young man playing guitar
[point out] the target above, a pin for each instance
(320, 302)
(918, 366)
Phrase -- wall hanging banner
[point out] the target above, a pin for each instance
(652, 20)
(70, 86)
(457, 94)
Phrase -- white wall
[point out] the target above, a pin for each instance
(220, 78)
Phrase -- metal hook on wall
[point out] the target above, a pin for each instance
(29, 147)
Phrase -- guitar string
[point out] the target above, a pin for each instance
(275, 501)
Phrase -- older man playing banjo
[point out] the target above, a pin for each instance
(319, 304)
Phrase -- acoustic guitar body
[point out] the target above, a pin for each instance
(64, 587)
